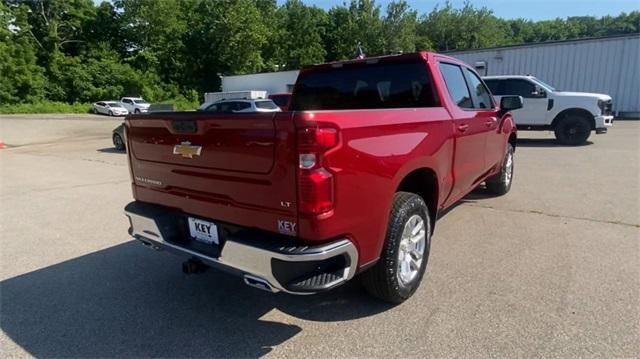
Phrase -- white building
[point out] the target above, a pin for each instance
(609, 65)
(272, 82)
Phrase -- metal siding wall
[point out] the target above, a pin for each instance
(610, 66)
(272, 82)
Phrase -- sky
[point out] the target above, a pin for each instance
(511, 9)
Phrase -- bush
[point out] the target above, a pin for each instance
(46, 107)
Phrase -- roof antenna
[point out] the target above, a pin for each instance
(359, 52)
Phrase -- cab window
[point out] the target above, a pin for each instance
(456, 85)
(519, 87)
(482, 96)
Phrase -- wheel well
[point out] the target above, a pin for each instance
(424, 183)
(574, 112)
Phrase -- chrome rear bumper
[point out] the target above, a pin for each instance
(272, 266)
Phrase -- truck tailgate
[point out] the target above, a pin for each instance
(235, 168)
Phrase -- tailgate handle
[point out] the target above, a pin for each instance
(185, 126)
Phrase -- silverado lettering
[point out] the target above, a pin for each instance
(350, 179)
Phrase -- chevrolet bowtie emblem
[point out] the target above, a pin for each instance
(185, 149)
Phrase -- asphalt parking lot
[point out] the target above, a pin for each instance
(552, 269)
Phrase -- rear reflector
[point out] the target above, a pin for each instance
(316, 191)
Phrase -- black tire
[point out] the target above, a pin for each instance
(500, 183)
(573, 130)
(118, 142)
(110, 113)
(95, 112)
(136, 111)
(383, 280)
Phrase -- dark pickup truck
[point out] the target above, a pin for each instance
(348, 181)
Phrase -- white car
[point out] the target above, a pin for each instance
(571, 115)
(135, 104)
(111, 108)
(241, 106)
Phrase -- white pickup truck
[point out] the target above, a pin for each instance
(571, 115)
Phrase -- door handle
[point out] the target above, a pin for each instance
(491, 122)
(463, 128)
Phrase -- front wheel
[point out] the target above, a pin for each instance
(110, 113)
(118, 143)
(500, 183)
(136, 111)
(403, 261)
(573, 130)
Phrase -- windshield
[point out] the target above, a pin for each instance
(140, 102)
(545, 85)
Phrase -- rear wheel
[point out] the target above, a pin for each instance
(94, 111)
(500, 183)
(573, 130)
(118, 143)
(403, 261)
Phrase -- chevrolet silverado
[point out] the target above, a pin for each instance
(348, 182)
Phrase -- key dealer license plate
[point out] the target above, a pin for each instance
(203, 231)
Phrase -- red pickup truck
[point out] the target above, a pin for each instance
(349, 181)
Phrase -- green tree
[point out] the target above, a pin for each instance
(399, 28)
(22, 79)
(348, 26)
(299, 35)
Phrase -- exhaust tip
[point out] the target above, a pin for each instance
(258, 283)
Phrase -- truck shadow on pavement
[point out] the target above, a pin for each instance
(544, 142)
(127, 301)
(111, 150)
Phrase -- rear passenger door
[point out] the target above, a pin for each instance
(470, 130)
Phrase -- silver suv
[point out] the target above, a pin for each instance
(240, 106)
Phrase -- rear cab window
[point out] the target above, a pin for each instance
(360, 85)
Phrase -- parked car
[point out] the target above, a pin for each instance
(135, 104)
(117, 137)
(350, 180)
(571, 115)
(211, 97)
(111, 108)
(282, 100)
(235, 106)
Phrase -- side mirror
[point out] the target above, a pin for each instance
(510, 103)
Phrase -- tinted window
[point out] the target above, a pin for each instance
(483, 96)
(494, 87)
(456, 85)
(518, 87)
(365, 86)
(266, 105)
(239, 106)
(140, 102)
(227, 106)
(282, 100)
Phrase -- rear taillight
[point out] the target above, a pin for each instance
(315, 182)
